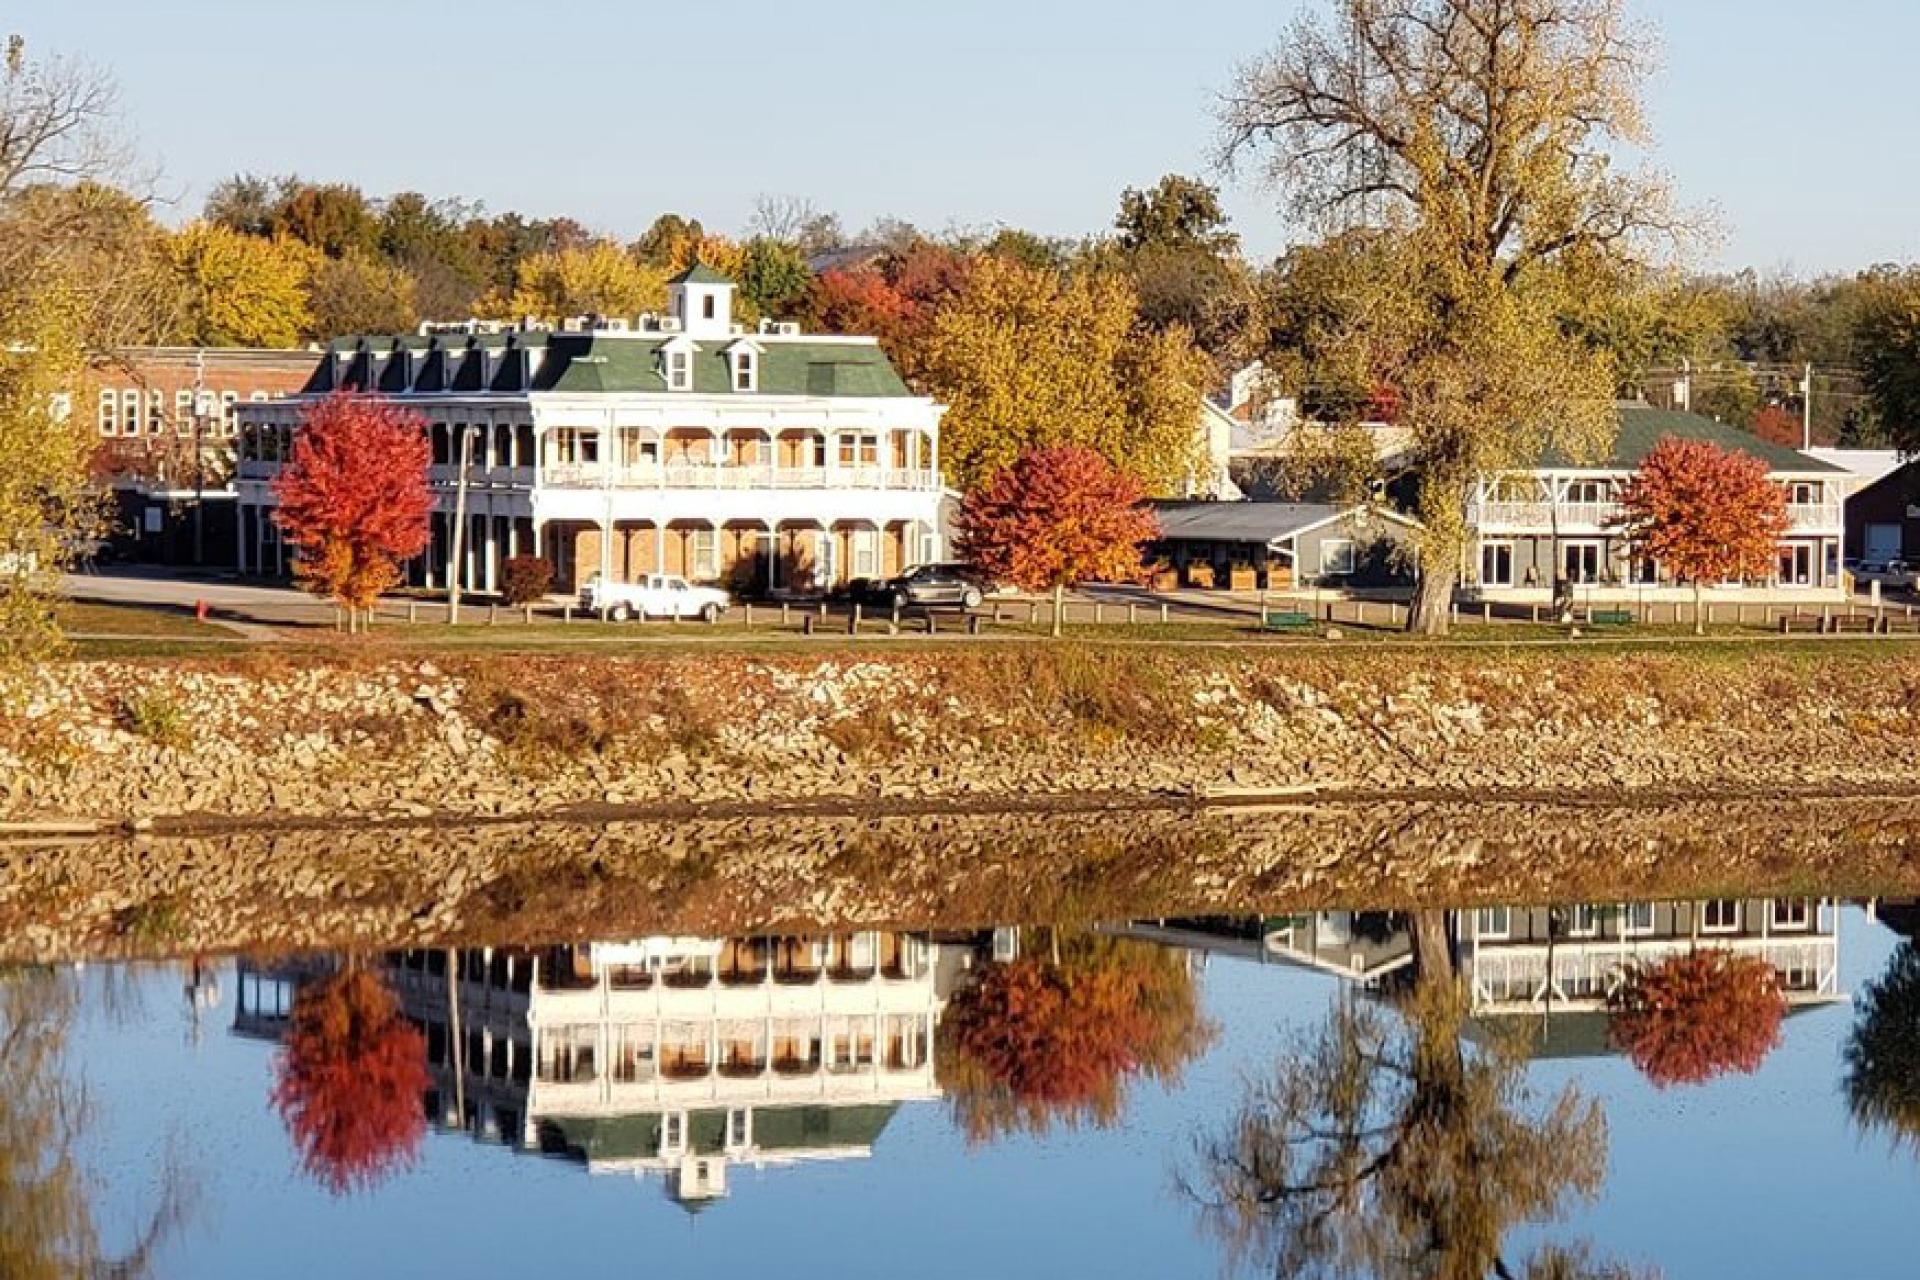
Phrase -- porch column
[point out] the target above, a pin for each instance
(240, 511)
(773, 554)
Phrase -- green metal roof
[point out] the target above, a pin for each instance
(603, 363)
(700, 273)
(1643, 426)
(637, 1136)
(629, 363)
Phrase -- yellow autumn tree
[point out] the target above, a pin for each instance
(1026, 357)
(597, 279)
(239, 290)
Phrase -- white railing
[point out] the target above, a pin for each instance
(1813, 515)
(705, 475)
(1586, 516)
(1543, 515)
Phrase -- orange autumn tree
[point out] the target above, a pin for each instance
(1057, 517)
(353, 497)
(1693, 1016)
(1708, 514)
(1045, 1039)
(349, 1079)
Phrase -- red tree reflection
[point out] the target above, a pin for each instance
(348, 1081)
(1037, 1040)
(1694, 1016)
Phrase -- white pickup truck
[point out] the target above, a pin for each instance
(658, 595)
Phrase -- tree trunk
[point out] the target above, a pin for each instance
(1432, 610)
(1059, 597)
(1432, 946)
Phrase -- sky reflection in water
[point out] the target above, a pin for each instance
(1752, 1175)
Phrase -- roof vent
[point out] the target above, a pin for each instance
(787, 329)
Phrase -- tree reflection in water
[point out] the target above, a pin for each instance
(349, 1079)
(46, 1213)
(1882, 1080)
(1056, 1037)
(1386, 1148)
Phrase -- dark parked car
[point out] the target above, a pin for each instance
(932, 584)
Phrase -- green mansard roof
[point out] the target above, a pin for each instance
(792, 1128)
(601, 363)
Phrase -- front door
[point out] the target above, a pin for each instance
(1796, 564)
(1580, 562)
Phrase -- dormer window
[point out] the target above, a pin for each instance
(745, 373)
(679, 370)
(708, 307)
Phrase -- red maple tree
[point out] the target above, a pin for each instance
(1696, 1015)
(1058, 516)
(353, 496)
(349, 1079)
(1034, 1040)
(1780, 425)
(1706, 513)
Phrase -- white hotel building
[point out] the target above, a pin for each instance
(771, 460)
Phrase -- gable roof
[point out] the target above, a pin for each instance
(1643, 426)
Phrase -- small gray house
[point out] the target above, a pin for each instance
(1278, 545)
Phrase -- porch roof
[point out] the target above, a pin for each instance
(1258, 522)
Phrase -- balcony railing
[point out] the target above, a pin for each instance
(699, 475)
(1583, 516)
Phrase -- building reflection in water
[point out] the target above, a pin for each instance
(681, 1057)
(1402, 1135)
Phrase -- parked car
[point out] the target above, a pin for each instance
(1894, 574)
(950, 584)
(658, 595)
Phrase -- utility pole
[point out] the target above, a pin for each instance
(1806, 407)
(199, 462)
(458, 536)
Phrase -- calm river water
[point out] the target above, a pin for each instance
(1373, 1094)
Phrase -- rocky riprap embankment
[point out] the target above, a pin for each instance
(377, 886)
(270, 738)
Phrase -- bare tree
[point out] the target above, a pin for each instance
(56, 119)
(1460, 153)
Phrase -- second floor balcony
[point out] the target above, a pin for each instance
(1601, 517)
(727, 475)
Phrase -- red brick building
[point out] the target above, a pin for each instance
(167, 419)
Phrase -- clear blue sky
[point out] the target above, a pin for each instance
(1795, 124)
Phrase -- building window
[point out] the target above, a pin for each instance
(1804, 493)
(1720, 915)
(1336, 557)
(1583, 921)
(706, 554)
(679, 370)
(1637, 920)
(866, 554)
(1492, 922)
(707, 307)
(109, 412)
(857, 450)
(1580, 562)
(130, 412)
(183, 413)
(1792, 913)
(673, 1133)
(1496, 564)
(743, 371)
(156, 412)
(1642, 571)
(739, 1128)
(1588, 492)
(229, 413)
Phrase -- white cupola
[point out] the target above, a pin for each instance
(701, 299)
